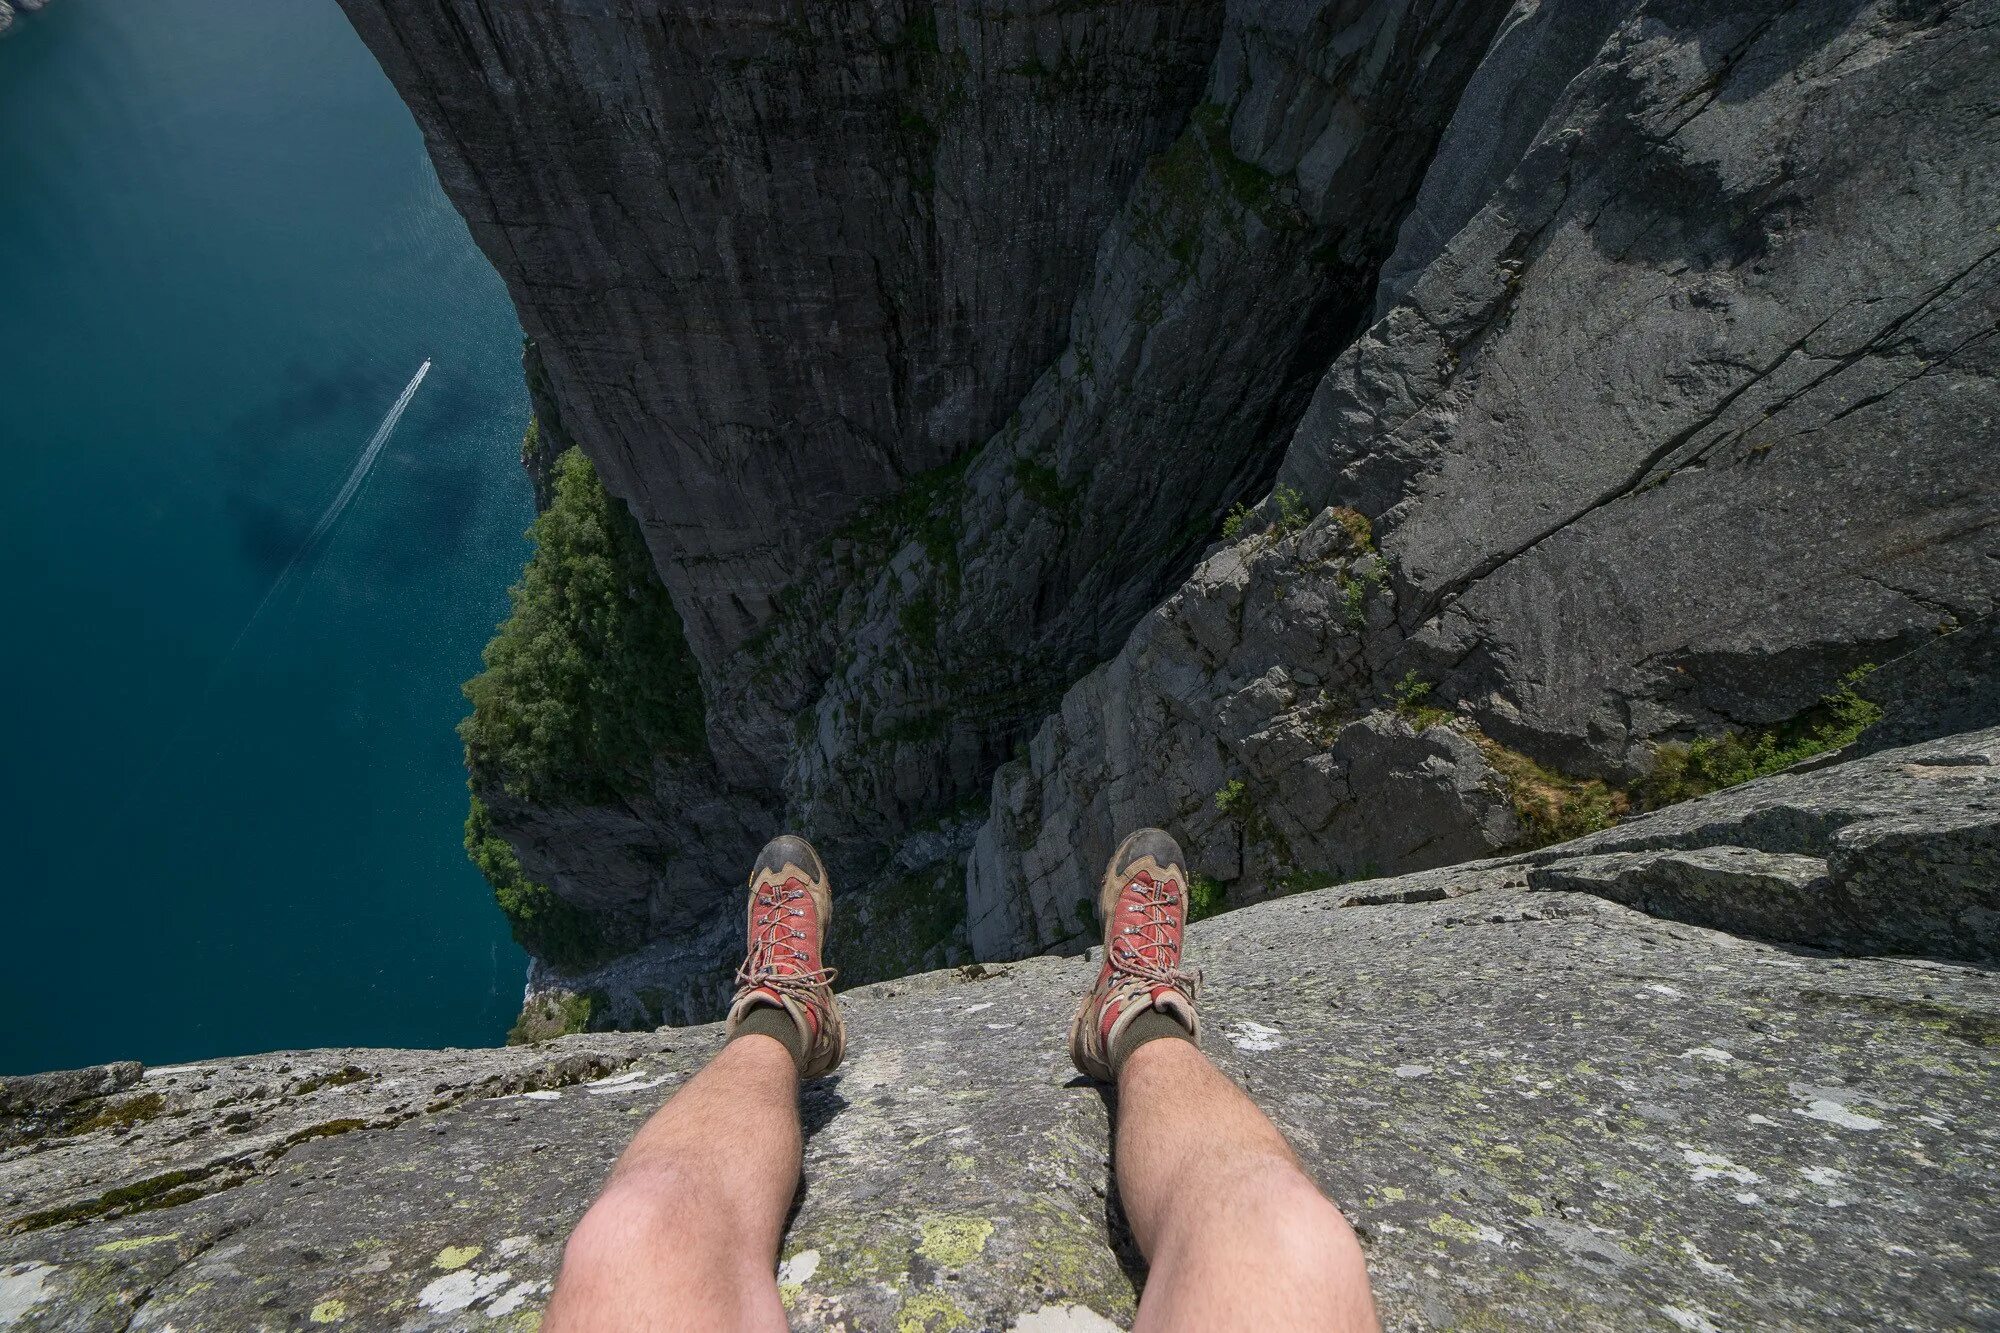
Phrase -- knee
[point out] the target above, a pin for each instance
(648, 1215)
(1274, 1199)
(622, 1223)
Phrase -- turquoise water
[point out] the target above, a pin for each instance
(223, 254)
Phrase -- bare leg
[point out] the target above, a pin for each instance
(1237, 1235)
(685, 1234)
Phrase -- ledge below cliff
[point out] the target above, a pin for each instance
(1540, 1108)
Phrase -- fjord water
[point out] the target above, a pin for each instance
(223, 255)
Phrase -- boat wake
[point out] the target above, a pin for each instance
(334, 510)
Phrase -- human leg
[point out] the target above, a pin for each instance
(685, 1233)
(1235, 1233)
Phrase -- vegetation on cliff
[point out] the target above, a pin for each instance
(1713, 763)
(586, 684)
(590, 679)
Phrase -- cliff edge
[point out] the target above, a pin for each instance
(1546, 1091)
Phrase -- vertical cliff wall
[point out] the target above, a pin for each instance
(926, 344)
(779, 258)
(1622, 367)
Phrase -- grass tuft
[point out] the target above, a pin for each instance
(1713, 763)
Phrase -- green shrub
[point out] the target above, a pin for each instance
(1410, 693)
(1232, 798)
(1205, 898)
(1233, 522)
(1682, 772)
(590, 678)
(1293, 514)
(1353, 595)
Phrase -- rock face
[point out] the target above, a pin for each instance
(778, 259)
(1540, 1108)
(1675, 412)
(1625, 369)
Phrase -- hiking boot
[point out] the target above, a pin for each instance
(790, 903)
(1143, 901)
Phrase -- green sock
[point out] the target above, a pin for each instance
(1149, 1026)
(773, 1021)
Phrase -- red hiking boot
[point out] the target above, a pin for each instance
(1144, 905)
(790, 904)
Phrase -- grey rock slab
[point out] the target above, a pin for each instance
(1745, 892)
(1244, 715)
(1925, 884)
(1623, 436)
(35, 1094)
(1539, 49)
(1540, 1109)
(186, 1131)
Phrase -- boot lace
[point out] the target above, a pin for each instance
(779, 960)
(1145, 947)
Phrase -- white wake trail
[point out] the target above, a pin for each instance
(331, 516)
(363, 463)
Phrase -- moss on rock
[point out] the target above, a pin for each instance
(546, 1017)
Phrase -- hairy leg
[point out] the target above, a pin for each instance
(1236, 1233)
(686, 1232)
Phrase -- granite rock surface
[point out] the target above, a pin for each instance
(1540, 1108)
(1687, 420)
(872, 313)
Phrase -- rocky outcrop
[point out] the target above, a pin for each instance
(1683, 422)
(1624, 368)
(1540, 1107)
